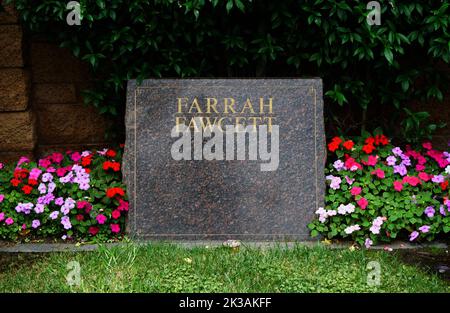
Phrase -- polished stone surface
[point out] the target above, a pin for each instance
(227, 199)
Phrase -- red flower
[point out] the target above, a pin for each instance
(111, 153)
(112, 192)
(79, 217)
(368, 148)
(88, 208)
(86, 161)
(27, 189)
(115, 166)
(348, 144)
(93, 230)
(15, 182)
(20, 173)
(115, 214)
(32, 182)
(381, 140)
(332, 146)
(444, 185)
(370, 140)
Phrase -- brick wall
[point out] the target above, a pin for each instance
(41, 108)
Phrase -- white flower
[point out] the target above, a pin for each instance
(351, 229)
(447, 170)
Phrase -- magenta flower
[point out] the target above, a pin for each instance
(23, 160)
(44, 163)
(2, 216)
(363, 203)
(2, 197)
(398, 185)
(76, 156)
(349, 180)
(34, 173)
(355, 191)
(9, 221)
(379, 173)
(101, 219)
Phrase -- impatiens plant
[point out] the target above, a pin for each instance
(379, 192)
(76, 195)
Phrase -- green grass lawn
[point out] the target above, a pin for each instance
(170, 268)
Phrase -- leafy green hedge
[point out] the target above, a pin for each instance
(363, 67)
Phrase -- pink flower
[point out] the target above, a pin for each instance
(34, 173)
(420, 167)
(2, 216)
(115, 228)
(82, 204)
(398, 185)
(412, 180)
(427, 145)
(2, 197)
(424, 176)
(101, 219)
(57, 157)
(123, 205)
(115, 214)
(372, 160)
(349, 180)
(76, 156)
(362, 202)
(379, 173)
(44, 163)
(23, 160)
(9, 221)
(355, 191)
(1, 165)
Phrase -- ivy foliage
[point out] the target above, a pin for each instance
(363, 66)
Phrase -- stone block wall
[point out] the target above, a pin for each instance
(41, 107)
(64, 122)
(18, 133)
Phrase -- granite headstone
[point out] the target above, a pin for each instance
(197, 188)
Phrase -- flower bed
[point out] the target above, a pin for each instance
(378, 192)
(74, 195)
